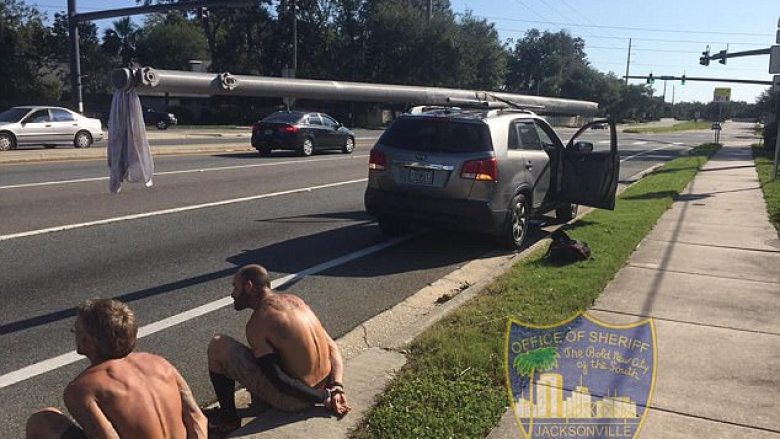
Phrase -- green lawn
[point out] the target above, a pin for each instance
(453, 385)
(681, 126)
(764, 158)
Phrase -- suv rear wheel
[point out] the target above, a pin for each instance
(517, 223)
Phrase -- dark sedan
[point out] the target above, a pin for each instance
(302, 132)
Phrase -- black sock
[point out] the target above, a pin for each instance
(224, 387)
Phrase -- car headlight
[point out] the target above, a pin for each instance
(171, 115)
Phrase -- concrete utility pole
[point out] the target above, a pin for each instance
(225, 84)
(628, 60)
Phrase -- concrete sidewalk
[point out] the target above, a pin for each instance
(709, 274)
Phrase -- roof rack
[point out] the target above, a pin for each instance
(432, 108)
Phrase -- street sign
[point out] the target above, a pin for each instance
(776, 84)
(774, 59)
(722, 94)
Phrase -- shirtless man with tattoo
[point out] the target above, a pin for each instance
(122, 394)
(291, 362)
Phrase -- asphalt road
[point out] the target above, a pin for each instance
(166, 252)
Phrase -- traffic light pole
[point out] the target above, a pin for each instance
(75, 18)
(688, 78)
(75, 58)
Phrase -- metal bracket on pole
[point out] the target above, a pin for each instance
(227, 81)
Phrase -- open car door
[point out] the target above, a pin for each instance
(589, 177)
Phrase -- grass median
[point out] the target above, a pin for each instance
(453, 385)
(764, 158)
(682, 126)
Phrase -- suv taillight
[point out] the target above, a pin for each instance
(290, 129)
(377, 161)
(482, 170)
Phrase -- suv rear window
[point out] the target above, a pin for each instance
(437, 134)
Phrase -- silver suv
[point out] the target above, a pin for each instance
(487, 171)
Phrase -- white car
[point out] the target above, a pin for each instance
(48, 126)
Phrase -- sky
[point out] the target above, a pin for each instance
(667, 37)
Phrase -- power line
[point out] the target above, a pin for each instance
(660, 40)
(639, 49)
(644, 29)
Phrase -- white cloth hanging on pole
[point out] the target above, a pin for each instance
(129, 155)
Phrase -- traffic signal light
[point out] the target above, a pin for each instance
(705, 57)
(723, 56)
(682, 79)
(650, 79)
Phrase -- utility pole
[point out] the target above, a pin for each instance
(295, 37)
(672, 95)
(628, 60)
(664, 90)
(75, 62)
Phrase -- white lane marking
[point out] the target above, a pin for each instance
(185, 171)
(603, 142)
(639, 143)
(175, 210)
(647, 152)
(50, 364)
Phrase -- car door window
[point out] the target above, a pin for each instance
(547, 142)
(314, 119)
(523, 135)
(61, 116)
(547, 135)
(40, 116)
(330, 122)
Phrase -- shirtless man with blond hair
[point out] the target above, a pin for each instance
(291, 362)
(122, 394)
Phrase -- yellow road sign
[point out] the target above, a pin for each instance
(722, 94)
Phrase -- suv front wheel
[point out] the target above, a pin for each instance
(517, 223)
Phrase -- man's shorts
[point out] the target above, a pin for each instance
(242, 366)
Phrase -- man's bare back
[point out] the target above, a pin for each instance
(137, 396)
(285, 324)
(121, 394)
(290, 363)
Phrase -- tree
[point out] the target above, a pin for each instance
(96, 65)
(170, 42)
(121, 40)
(541, 62)
(528, 363)
(482, 58)
(27, 65)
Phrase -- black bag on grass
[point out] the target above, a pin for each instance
(564, 250)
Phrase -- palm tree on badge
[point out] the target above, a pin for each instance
(531, 362)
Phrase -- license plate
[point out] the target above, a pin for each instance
(421, 176)
(268, 132)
